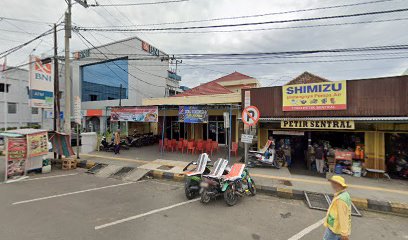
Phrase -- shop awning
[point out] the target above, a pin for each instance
(367, 119)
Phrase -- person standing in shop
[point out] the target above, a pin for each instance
(288, 154)
(338, 217)
(117, 141)
(319, 155)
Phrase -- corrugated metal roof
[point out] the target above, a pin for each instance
(337, 118)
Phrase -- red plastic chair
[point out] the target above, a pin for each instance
(215, 146)
(234, 148)
(170, 146)
(200, 146)
(190, 147)
(209, 148)
(185, 144)
(180, 146)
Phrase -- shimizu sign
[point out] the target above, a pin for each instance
(315, 97)
(318, 124)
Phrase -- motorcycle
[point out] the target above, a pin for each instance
(267, 157)
(210, 186)
(105, 146)
(237, 183)
(124, 145)
(193, 178)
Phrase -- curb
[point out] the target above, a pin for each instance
(287, 193)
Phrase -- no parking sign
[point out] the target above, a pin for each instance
(250, 115)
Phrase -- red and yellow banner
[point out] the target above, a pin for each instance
(315, 97)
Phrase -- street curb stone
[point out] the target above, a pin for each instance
(288, 193)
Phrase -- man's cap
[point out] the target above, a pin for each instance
(339, 180)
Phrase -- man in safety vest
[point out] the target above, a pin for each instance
(338, 218)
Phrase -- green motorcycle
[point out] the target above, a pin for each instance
(194, 177)
(237, 183)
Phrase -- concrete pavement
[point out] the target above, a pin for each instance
(158, 210)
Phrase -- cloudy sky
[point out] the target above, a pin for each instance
(193, 72)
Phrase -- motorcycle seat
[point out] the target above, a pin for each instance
(236, 171)
(203, 159)
(219, 166)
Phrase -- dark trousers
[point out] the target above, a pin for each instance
(117, 149)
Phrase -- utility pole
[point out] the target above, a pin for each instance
(56, 83)
(3, 75)
(68, 27)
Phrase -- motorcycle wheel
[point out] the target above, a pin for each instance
(252, 189)
(279, 162)
(189, 194)
(205, 198)
(230, 197)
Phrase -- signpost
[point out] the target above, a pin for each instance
(77, 119)
(247, 138)
(250, 117)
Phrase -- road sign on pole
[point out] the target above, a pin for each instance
(250, 115)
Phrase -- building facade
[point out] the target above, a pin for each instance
(366, 114)
(121, 73)
(19, 112)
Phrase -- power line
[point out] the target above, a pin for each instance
(253, 16)
(136, 4)
(25, 20)
(245, 24)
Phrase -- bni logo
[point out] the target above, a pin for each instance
(42, 71)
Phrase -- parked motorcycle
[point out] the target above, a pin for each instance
(193, 178)
(106, 146)
(124, 145)
(267, 157)
(237, 183)
(210, 186)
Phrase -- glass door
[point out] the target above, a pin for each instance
(221, 133)
(212, 131)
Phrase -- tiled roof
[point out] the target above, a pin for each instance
(213, 87)
(307, 77)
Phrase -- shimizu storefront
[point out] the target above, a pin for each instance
(354, 121)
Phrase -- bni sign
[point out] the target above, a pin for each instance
(150, 49)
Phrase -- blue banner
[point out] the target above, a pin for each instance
(193, 114)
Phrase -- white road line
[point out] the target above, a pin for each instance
(72, 193)
(307, 230)
(55, 176)
(144, 214)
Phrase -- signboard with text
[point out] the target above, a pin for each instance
(247, 138)
(193, 114)
(41, 84)
(16, 157)
(318, 124)
(315, 96)
(135, 114)
(37, 144)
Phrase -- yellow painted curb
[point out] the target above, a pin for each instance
(360, 203)
(178, 177)
(401, 208)
(157, 174)
(284, 193)
(327, 183)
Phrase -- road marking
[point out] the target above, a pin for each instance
(144, 214)
(55, 176)
(72, 193)
(327, 183)
(307, 230)
(115, 158)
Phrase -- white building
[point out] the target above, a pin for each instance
(19, 112)
(122, 72)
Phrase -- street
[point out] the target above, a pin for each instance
(76, 205)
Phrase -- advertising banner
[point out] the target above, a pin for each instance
(16, 158)
(193, 114)
(38, 144)
(77, 110)
(41, 84)
(318, 124)
(135, 114)
(315, 97)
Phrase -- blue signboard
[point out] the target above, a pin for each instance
(193, 114)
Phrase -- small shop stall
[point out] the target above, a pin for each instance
(396, 150)
(24, 150)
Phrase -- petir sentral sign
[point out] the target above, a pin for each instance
(318, 124)
(315, 97)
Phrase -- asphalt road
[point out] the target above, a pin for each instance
(82, 206)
